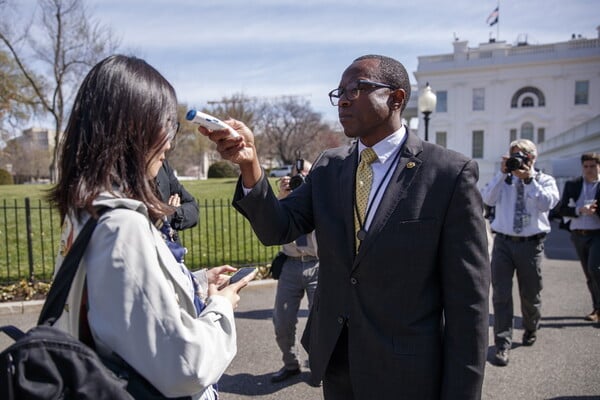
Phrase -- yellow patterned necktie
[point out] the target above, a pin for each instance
(364, 180)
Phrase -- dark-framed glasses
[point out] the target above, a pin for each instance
(352, 90)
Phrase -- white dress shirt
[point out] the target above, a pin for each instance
(541, 195)
(386, 151)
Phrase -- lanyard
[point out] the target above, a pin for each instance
(362, 233)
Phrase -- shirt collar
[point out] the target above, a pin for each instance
(386, 148)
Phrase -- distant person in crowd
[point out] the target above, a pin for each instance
(401, 308)
(522, 197)
(580, 203)
(174, 194)
(298, 276)
(145, 308)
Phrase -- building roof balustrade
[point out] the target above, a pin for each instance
(500, 53)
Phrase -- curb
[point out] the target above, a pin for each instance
(35, 306)
(21, 307)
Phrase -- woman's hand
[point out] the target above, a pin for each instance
(231, 292)
(217, 276)
(174, 200)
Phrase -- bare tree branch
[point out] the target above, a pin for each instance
(65, 40)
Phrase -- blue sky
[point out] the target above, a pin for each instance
(213, 48)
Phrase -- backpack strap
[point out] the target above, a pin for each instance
(59, 291)
(12, 331)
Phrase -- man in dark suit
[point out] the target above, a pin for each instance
(401, 309)
(580, 203)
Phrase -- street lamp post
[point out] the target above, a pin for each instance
(427, 101)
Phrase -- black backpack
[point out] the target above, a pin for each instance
(48, 363)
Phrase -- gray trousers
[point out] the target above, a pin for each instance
(524, 258)
(588, 251)
(296, 278)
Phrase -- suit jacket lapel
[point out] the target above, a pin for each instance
(397, 189)
(347, 189)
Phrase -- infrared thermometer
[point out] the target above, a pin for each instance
(208, 121)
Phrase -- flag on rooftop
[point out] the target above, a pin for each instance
(493, 18)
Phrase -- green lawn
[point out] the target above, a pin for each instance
(29, 233)
(221, 188)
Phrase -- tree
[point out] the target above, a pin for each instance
(290, 129)
(17, 100)
(238, 106)
(64, 42)
(5, 177)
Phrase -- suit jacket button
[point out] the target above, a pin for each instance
(353, 281)
(340, 320)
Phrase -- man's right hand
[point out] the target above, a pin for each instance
(239, 150)
(503, 165)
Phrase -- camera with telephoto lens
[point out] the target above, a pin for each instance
(516, 161)
(297, 180)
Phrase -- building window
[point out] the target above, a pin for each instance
(440, 139)
(527, 131)
(581, 92)
(479, 99)
(527, 102)
(477, 150)
(541, 135)
(513, 135)
(442, 101)
(534, 93)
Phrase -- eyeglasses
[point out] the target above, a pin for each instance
(352, 91)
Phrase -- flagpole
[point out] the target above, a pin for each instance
(498, 24)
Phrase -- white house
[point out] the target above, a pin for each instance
(489, 95)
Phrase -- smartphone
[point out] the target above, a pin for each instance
(240, 274)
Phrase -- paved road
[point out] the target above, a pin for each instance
(563, 364)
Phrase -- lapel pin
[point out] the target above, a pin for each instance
(411, 164)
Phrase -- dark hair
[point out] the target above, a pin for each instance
(390, 72)
(120, 119)
(590, 157)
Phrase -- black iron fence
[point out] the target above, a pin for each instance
(30, 231)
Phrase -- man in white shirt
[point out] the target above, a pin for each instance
(298, 276)
(522, 197)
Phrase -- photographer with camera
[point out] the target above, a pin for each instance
(523, 196)
(298, 275)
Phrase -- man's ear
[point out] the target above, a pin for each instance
(397, 99)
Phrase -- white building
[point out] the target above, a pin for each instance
(29, 155)
(37, 138)
(489, 95)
